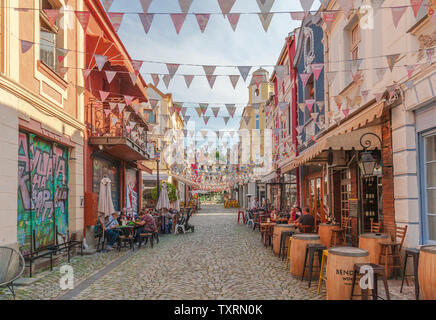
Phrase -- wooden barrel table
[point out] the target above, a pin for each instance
(340, 269)
(325, 233)
(371, 242)
(427, 273)
(277, 235)
(298, 253)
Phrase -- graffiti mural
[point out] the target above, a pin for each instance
(42, 193)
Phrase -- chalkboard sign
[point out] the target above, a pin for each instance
(353, 207)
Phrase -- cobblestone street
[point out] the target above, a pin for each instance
(221, 260)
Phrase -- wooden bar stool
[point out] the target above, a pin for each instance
(325, 254)
(414, 253)
(283, 243)
(378, 271)
(311, 250)
(288, 257)
(390, 252)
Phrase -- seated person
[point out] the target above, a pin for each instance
(122, 218)
(108, 229)
(305, 220)
(146, 224)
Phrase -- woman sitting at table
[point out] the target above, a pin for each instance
(146, 224)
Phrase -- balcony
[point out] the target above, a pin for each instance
(111, 132)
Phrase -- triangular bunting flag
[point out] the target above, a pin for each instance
(202, 20)
(416, 5)
(338, 100)
(146, 19)
(410, 69)
(265, 19)
(83, 18)
(257, 78)
(103, 95)
(206, 119)
(304, 78)
(331, 76)
(309, 104)
(397, 13)
(226, 5)
(112, 105)
(186, 118)
(306, 5)
(107, 4)
(199, 111)
(106, 112)
(137, 64)
(231, 109)
(52, 15)
(316, 69)
(128, 99)
(234, 80)
(100, 60)
(380, 72)
(392, 59)
(346, 6)
(145, 5)
(185, 5)
(133, 77)
(346, 112)
(430, 53)
(211, 79)
(155, 78)
(226, 119)
(25, 46)
(178, 20)
(116, 18)
(233, 19)
(121, 107)
(166, 79)
(110, 75)
(172, 68)
(244, 70)
(215, 111)
(188, 79)
(209, 70)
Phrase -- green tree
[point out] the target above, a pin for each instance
(172, 192)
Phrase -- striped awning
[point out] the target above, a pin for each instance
(345, 137)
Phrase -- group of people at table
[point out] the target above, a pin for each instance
(297, 216)
(144, 222)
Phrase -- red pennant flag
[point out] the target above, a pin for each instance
(226, 5)
(202, 20)
(233, 19)
(416, 5)
(83, 18)
(397, 13)
(155, 78)
(309, 104)
(316, 69)
(116, 18)
(52, 15)
(178, 20)
(146, 19)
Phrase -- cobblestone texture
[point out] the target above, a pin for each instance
(221, 260)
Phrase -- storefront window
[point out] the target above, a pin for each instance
(430, 187)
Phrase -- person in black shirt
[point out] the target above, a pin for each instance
(305, 220)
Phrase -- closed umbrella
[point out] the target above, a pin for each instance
(163, 201)
(105, 205)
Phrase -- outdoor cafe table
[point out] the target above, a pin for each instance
(371, 242)
(277, 235)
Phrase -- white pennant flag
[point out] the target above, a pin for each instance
(166, 79)
(121, 107)
(110, 75)
(100, 60)
(306, 5)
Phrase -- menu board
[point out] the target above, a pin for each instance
(353, 207)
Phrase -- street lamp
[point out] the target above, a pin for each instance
(369, 159)
(157, 156)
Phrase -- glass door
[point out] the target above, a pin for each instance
(428, 182)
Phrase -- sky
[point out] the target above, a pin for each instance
(218, 45)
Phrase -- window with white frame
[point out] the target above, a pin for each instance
(429, 186)
(51, 35)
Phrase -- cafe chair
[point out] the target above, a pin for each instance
(144, 237)
(268, 235)
(378, 271)
(375, 226)
(322, 274)
(311, 250)
(307, 229)
(125, 237)
(241, 213)
(414, 254)
(390, 252)
(338, 235)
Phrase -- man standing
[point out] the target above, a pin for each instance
(254, 204)
(305, 220)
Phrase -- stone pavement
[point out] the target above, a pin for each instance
(221, 260)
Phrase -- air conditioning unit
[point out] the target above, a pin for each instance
(337, 158)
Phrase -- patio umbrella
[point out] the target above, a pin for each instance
(105, 205)
(163, 201)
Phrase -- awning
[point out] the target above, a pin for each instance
(269, 177)
(345, 137)
(186, 181)
(119, 147)
(153, 177)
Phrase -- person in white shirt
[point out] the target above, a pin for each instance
(254, 204)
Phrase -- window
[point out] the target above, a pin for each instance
(257, 121)
(50, 36)
(355, 39)
(429, 186)
(149, 116)
(256, 92)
